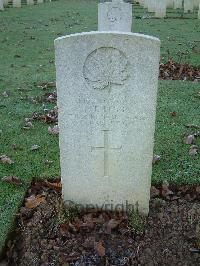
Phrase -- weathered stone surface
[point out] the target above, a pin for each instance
(115, 16)
(107, 87)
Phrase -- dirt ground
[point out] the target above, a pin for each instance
(44, 236)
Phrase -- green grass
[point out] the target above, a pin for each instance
(176, 165)
(26, 56)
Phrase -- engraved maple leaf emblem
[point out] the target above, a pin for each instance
(106, 66)
(114, 14)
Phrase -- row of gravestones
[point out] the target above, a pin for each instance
(19, 3)
(107, 90)
(160, 6)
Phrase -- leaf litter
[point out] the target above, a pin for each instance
(12, 180)
(179, 71)
(53, 130)
(189, 140)
(50, 116)
(97, 237)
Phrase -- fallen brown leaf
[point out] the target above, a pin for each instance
(50, 97)
(34, 201)
(5, 94)
(28, 125)
(100, 249)
(193, 126)
(88, 221)
(5, 159)
(48, 162)
(56, 185)
(45, 85)
(189, 139)
(198, 189)
(50, 117)
(53, 130)
(12, 180)
(154, 192)
(156, 159)
(64, 229)
(193, 150)
(28, 119)
(78, 223)
(173, 113)
(16, 147)
(34, 147)
(165, 190)
(112, 224)
(89, 242)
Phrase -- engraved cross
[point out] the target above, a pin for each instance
(106, 147)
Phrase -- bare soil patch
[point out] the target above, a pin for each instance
(44, 235)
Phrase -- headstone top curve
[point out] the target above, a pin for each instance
(114, 33)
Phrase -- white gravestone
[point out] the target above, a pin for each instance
(17, 3)
(141, 2)
(169, 3)
(151, 5)
(107, 90)
(160, 9)
(145, 3)
(115, 16)
(188, 6)
(30, 2)
(40, 1)
(196, 3)
(6, 2)
(1, 5)
(178, 4)
(199, 12)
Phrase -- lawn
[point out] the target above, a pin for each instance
(27, 57)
